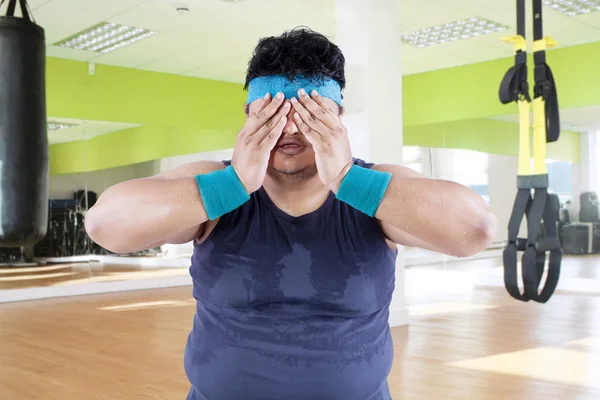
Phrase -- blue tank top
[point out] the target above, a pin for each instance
(292, 308)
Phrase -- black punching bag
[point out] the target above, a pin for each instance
(24, 170)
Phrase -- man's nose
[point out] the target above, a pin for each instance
(290, 127)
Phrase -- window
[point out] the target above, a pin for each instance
(560, 179)
(470, 168)
(411, 158)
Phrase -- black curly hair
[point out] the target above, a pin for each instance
(298, 52)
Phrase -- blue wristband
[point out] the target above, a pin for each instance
(221, 192)
(364, 188)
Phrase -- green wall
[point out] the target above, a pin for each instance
(183, 115)
(135, 96)
(133, 146)
(486, 135)
(471, 91)
(144, 144)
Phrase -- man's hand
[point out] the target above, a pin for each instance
(256, 140)
(324, 130)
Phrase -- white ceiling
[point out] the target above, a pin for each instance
(83, 129)
(417, 14)
(215, 39)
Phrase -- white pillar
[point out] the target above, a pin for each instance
(427, 167)
(442, 161)
(368, 34)
(588, 169)
(594, 161)
(584, 160)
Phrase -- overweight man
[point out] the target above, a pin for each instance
(294, 239)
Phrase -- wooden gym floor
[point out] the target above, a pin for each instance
(79, 273)
(471, 343)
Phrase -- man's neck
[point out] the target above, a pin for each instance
(296, 198)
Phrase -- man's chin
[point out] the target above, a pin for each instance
(300, 173)
(286, 171)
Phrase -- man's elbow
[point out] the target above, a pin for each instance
(481, 237)
(92, 224)
(97, 229)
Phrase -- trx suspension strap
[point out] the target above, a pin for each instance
(532, 196)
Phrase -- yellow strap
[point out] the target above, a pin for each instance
(543, 44)
(539, 136)
(520, 44)
(524, 147)
(539, 111)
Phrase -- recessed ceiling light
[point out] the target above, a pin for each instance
(106, 37)
(55, 126)
(574, 7)
(458, 30)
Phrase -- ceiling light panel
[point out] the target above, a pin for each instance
(106, 37)
(458, 30)
(55, 126)
(574, 7)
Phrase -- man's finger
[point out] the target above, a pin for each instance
(267, 128)
(258, 118)
(263, 102)
(314, 137)
(273, 136)
(309, 119)
(320, 100)
(318, 108)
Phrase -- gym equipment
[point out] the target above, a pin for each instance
(536, 208)
(24, 170)
(10, 256)
(66, 235)
(578, 239)
(554, 203)
(596, 237)
(565, 212)
(588, 210)
(85, 199)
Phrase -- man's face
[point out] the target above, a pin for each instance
(293, 156)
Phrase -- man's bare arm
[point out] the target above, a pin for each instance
(434, 214)
(144, 213)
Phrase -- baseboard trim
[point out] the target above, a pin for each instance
(398, 317)
(177, 261)
(434, 258)
(38, 293)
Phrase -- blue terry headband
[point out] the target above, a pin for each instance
(258, 87)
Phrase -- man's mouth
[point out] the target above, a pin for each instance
(290, 147)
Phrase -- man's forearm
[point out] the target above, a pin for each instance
(446, 214)
(137, 214)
